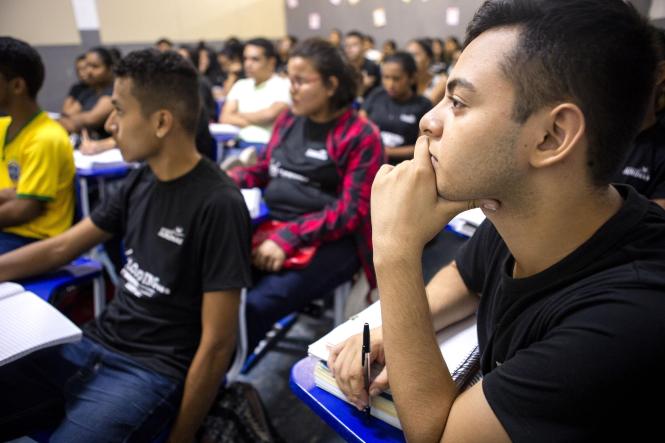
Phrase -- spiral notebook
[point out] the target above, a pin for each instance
(458, 343)
(28, 323)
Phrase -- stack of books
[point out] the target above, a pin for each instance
(458, 344)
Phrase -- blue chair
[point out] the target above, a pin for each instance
(80, 271)
(245, 359)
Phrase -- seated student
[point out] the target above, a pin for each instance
(567, 275)
(644, 167)
(37, 166)
(71, 103)
(94, 106)
(368, 71)
(255, 102)
(431, 86)
(395, 108)
(316, 171)
(163, 343)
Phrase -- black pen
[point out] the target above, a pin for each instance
(365, 360)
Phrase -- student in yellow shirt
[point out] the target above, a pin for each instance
(36, 160)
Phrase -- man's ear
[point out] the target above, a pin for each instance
(162, 122)
(18, 86)
(562, 129)
(331, 85)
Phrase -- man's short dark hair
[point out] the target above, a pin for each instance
(596, 53)
(163, 81)
(19, 59)
(265, 44)
(163, 41)
(356, 34)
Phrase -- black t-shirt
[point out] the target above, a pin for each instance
(182, 238)
(88, 99)
(577, 351)
(303, 178)
(77, 90)
(644, 168)
(397, 121)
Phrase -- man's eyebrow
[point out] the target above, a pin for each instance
(459, 83)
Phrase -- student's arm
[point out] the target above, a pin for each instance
(400, 152)
(660, 202)
(45, 255)
(264, 116)
(231, 116)
(219, 318)
(449, 301)
(19, 211)
(7, 194)
(90, 147)
(70, 106)
(425, 395)
(94, 117)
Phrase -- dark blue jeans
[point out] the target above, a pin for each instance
(277, 294)
(87, 393)
(9, 242)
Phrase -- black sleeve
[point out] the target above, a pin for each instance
(224, 242)
(368, 103)
(109, 215)
(471, 258)
(595, 372)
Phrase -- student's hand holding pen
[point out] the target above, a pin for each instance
(346, 366)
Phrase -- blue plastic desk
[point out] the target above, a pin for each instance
(100, 174)
(346, 420)
(80, 271)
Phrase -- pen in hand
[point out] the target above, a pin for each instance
(366, 364)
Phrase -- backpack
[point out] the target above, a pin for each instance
(238, 416)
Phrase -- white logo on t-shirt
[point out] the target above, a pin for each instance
(408, 118)
(176, 235)
(641, 173)
(139, 282)
(319, 154)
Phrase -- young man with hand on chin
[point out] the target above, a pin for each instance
(566, 275)
(156, 356)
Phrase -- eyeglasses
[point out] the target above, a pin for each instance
(297, 82)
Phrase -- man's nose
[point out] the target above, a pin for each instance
(431, 124)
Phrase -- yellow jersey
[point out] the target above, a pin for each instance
(39, 163)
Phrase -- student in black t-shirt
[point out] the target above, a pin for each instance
(644, 167)
(95, 103)
(567, 274)
(73, 98)
(396, 108)
(316, 172)
(368, 71)
(155, 357)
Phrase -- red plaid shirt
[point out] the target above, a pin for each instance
(354, 144)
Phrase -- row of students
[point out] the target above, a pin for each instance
(541, 150)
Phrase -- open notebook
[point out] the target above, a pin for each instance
(28, 323)
(458, 343)
(107, 159)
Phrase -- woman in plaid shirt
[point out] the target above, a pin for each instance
(317, 173)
